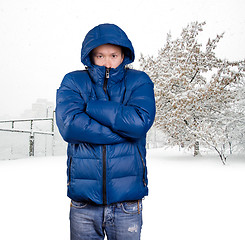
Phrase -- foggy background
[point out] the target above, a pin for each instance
(41, 40)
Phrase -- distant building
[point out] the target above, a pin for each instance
(40, 109)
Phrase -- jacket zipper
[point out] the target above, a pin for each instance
(107, 74)
(104, 175)
(143, 166)
(69, 172)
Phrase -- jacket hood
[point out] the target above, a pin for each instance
(104, 34)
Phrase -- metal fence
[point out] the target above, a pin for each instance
(20, 138)
(30, 137)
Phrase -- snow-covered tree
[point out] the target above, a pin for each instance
(198, 95)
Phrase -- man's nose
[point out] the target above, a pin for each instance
(107, 63)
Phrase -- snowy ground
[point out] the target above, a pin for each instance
(190, 198)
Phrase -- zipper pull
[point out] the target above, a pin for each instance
(107, 73)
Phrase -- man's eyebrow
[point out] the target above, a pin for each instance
(115, 52)
(96, 53)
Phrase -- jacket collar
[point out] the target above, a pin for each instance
(98, 73)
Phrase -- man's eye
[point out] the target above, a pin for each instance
(99, 56)
(114, 55)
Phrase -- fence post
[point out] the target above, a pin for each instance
(12, 150)
(31, 147)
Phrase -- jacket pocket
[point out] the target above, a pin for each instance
(144, 167)
(69, 171)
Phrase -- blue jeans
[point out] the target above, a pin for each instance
(118, 221)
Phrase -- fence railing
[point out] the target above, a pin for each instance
(30, 131)
(40, 137)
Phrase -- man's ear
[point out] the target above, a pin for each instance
(122, 57)
(91, 57)
(122, 54)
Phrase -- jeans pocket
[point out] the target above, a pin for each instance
(78, 204)
(134, 207)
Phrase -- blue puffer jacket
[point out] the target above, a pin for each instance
(106, 130)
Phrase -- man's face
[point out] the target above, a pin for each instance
(108, 55)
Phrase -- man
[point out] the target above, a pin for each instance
(104, 113)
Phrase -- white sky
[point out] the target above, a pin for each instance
(40, 40)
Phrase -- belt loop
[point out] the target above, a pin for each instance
(138, 206)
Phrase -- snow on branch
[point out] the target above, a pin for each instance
(198, 95)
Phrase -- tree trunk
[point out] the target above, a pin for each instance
(196, 148)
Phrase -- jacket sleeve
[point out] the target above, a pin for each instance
(132, 120)
(74, 124)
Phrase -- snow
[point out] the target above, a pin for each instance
(189, 198)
